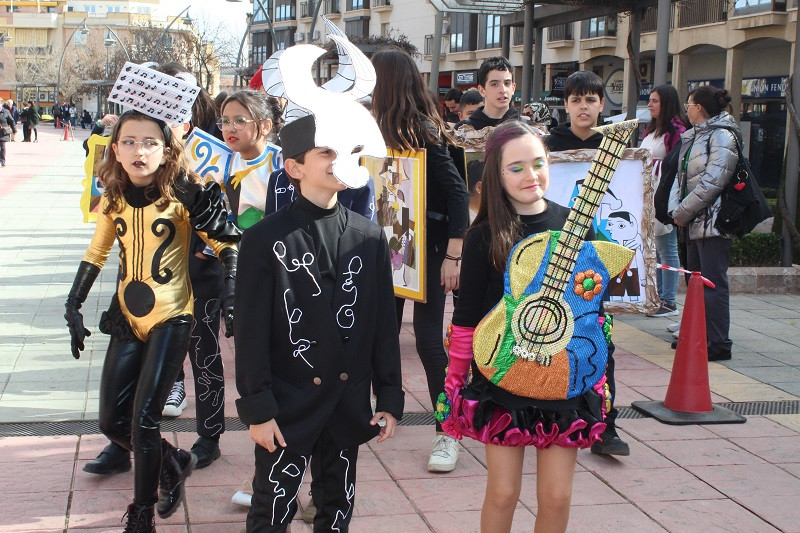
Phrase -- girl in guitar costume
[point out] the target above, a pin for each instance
(150, 206)
(513, 207)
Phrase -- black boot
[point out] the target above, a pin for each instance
(611, 443)
(176, 465)
(112, 460)
(206, 450)
(141, 519)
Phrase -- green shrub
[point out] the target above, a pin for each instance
(756, 249)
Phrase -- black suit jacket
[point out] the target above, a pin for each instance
(306, 363)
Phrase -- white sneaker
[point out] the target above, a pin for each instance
(676, 334)
(675, 326)
(244, 496)
(444, 455)
(176, 401)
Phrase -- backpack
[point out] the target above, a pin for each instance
(742, 204)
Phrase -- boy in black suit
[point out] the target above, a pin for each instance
(315, 328)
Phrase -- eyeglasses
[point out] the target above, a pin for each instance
(687, 105)
(236, 124)
(149, 146)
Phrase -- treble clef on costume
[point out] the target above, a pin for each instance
(121, 228)
(543, 340)
(159, 227)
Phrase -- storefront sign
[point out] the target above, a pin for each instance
(558, 84)
(466, 78)
(767, 87)
(614, 87)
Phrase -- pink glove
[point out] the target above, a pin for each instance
(460, 357)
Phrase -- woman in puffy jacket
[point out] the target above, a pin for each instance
(708, 158)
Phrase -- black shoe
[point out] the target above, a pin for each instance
(717, 354)
(206, 450)
(114, 459)
(611, 444)
(140, 519)
(176, 465)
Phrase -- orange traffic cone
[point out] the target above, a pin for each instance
(68, 132)
(58, 122)
(688, 399)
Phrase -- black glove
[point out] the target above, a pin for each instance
(84, 279)
(228, 257)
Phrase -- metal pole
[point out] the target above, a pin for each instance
(164, 33)
(436, 54)
(61, 60)
(792, 159)
(537, 66)
(120, 42)
(244, 38)
(527, 54)
(662, 42)
(632, 84)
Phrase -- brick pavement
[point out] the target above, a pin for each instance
(742, 477)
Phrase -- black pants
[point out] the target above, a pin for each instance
(712, 257)
(137, 378)
(278, 479)
(26, 132)
(204, 353)
(429, 323)
(2, 151)
(611, 415)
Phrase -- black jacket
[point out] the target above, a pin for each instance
(7, 120)
(301, 361)
(561, 138)
(447, 196)
(479, 120)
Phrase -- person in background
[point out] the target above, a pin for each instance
(33, 116)
(667, 122)
(708, 159)
(496, 85)
(9, 129)
(451, 102)
(86, 119)
(471, 100)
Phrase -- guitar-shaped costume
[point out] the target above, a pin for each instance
(540, 354)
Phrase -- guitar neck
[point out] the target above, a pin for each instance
(586, 204)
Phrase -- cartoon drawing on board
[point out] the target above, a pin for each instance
(611, 202)
(624, 229)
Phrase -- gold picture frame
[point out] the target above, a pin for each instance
(92, 188)
(399, 181)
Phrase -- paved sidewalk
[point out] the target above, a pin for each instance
(733, 478)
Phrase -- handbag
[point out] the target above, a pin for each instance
(7, 130)
(742, 204)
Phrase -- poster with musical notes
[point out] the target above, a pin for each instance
(154, 93)
(626, 216)
(399, 181)
(92, 188)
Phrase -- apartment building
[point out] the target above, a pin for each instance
(728, 43)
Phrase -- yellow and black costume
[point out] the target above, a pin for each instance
(151, 316)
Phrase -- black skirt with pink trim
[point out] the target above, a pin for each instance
(486, 413)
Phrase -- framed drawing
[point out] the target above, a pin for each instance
(625, 217)
(92, 188)
(399, 181)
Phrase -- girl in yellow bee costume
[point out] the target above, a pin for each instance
(150, 206)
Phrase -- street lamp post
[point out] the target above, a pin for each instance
(186, 20)
(84, 30)
(118, 40)
(247, 32)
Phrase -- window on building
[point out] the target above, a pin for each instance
(284, 38)
(358, 27)
(560, 32)
(51, 9)
(599, 27)
(143, 10)
(386, 29)
(491, 36)
(9, 9)
(90, 9)
(260, 47)
(747, 7)
(80, 38)
(259, 15)
(284, 10)
(462, 31)
(70, 8)
(352, 5)
(113, 9)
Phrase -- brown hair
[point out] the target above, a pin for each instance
(403, 108)
(496, 210)
(713, 101)
(116, 180)
(260, 106)
(671, 107)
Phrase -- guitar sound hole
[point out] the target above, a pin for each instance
(542, 322)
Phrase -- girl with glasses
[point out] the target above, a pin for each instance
(150, 206)
(248, 120)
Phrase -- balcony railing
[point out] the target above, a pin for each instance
(305, 9)
(700, 12)
(561, 32)
(331, 6)
(751, 7)
(650, 19)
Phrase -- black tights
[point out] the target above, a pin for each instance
(137, 378)
(428, 325)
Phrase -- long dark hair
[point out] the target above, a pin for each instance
(261, 107)
(713, 101)
(116, 180)
(404, 109)
(671, 107)
(203, 113)
(496, 210)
